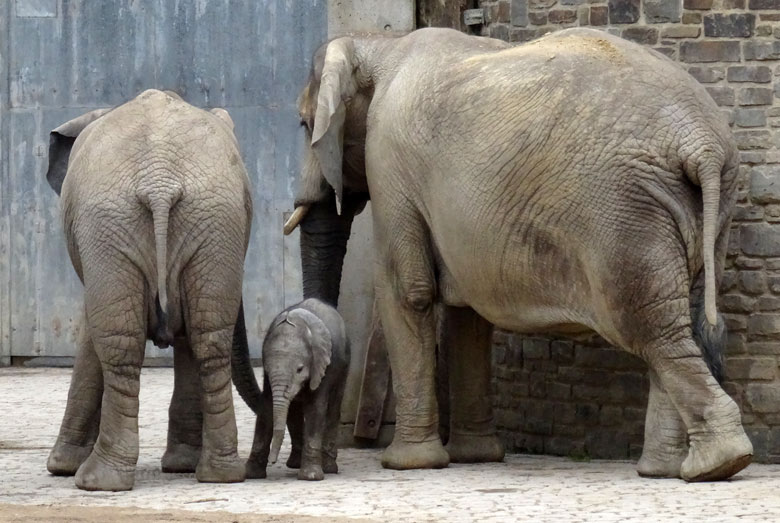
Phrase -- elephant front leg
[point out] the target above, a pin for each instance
(314, 415)
(185, 419)
(295, 428)
(466, 337)
(405, 294)
(666, 440)
(81, 422)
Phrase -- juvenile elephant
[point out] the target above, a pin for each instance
(574, 184)
(157, 212)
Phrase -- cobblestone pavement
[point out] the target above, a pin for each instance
(523, 488)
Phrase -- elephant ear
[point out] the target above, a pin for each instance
(320, 344)
(61, 141)
(337, 86)
(224, 116)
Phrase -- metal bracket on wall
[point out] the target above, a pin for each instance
(473, 17)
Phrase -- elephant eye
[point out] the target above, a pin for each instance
(300, 369)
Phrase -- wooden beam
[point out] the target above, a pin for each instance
(374, 387)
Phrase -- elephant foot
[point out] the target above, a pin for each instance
(470, 448)
(329, 465)
(716, 457)
(96, 474)
(221, 469)
(255, 469)
(311, 473)
(65, 459)
(294, 461)
(661, 463)
(403, 455)
(180, 457)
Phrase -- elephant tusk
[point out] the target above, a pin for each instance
(297, 216)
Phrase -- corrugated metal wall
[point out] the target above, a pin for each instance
(61, 58)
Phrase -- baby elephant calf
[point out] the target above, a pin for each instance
(305, 358)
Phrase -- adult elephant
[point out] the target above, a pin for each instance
(157, 213)
(579, 183)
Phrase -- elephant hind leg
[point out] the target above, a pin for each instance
(212, 293)
(332, 425)
(116, 319)
(185, 417)
(466, 337)
(81, 422)
(719, 447)
(666, 440)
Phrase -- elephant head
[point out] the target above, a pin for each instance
(296, 351)
(333, 107)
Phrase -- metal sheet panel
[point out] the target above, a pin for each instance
(250, 57)
(5, 198)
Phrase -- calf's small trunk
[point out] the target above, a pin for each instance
(280, 420)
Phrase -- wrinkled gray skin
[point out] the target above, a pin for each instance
(157, 212)
(576, 184)
(305, 359)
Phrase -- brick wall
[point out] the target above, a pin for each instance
(560, 397)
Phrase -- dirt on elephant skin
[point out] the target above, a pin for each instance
(75, 514)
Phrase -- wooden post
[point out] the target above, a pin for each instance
(374, 386)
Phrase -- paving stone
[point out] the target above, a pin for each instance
(691, 18)
(562, 16)
(641, 35)
(749, 73)
(755, 50)
(710, 51)
(623, 11)
(519, 13)
(539, 17)
(707, 75)
(739, 25)
(755, 96)
(723, 96)
(764, 4)
(661, 11)
(697, 4)
(599, 15)
(751, 140)
(750, 117)
(681, 31)
(765, 184)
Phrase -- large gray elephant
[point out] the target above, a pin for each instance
(579, 183)
(157, 212)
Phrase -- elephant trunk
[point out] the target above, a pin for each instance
(324, 235)
(281, 406)
(241, 367)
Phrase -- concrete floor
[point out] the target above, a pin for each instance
(523, 488)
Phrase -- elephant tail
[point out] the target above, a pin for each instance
(160, 203)
(709, 180)
(241, 367)
(708, 326)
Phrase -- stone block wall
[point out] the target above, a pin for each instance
(565, 398)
